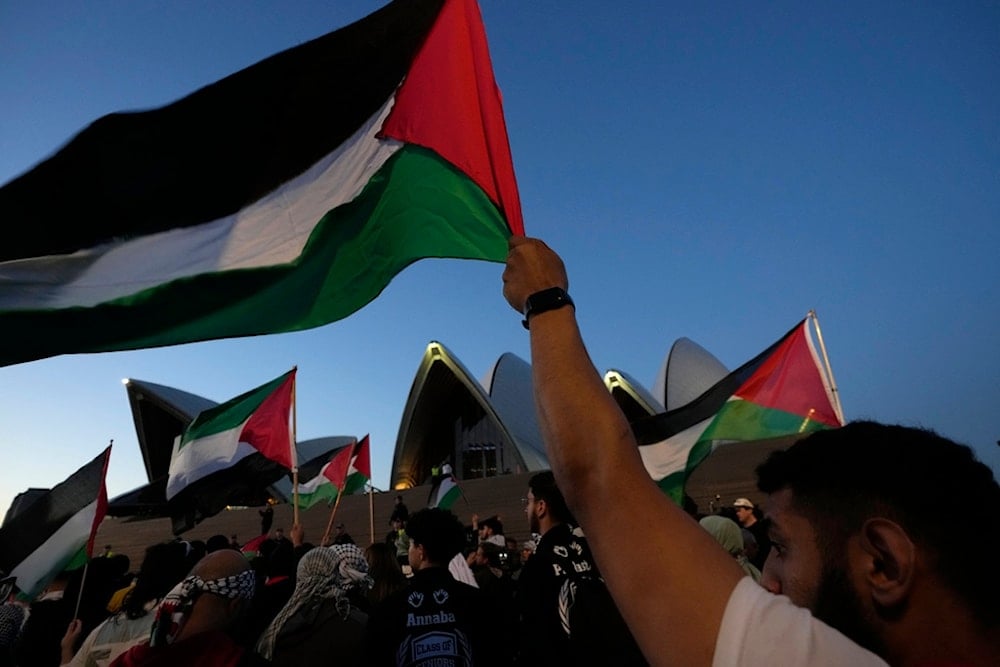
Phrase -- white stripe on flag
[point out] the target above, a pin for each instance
(271, 231)
(35, 571)
(204, 456)
(671, 455)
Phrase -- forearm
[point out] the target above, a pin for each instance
(669, 578)
(578, 416)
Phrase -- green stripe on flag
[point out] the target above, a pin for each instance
(743, 420)
(230, 414)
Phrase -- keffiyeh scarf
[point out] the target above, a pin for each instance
(175, 608)
(323, 573)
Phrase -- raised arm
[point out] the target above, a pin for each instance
(670, 580)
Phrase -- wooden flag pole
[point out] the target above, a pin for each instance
(371, 513)
(295, 459)
(829, 369)
(79, 595)
(326, 535)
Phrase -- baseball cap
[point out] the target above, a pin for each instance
(743, 502)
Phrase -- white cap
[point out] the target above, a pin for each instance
(743, 502)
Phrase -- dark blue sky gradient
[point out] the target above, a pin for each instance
(711, 172)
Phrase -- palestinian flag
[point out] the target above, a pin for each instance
(254, 423)
(782, 391)
(280, 198)
(359, 469)
(444, 492)
(252, 548)
(323, 477)
(56, 532)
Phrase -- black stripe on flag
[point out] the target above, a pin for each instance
(29, 530)
(215, 151)
(656, 428)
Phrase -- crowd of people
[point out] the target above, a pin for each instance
(869, 546)
(464, 594)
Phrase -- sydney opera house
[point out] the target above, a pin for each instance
(480, 428)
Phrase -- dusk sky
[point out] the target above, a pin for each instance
(706, 170)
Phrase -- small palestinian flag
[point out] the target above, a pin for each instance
(56, 532)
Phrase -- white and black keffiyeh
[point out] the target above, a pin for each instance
(174, 610)
(323, 573)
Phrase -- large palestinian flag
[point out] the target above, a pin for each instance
(56, 532)
(283, 197)
(782, 391)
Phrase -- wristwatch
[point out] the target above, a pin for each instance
(552, 298)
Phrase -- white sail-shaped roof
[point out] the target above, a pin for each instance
(688, 371)
(451, 418)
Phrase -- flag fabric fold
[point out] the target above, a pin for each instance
(256, 422)
(445, 491)
(56, 532)
(280, 198)
(359, 469)
(347, 472)
(782, 391)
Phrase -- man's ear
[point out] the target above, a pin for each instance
(892, 560)
(542, 507)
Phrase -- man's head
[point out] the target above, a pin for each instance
(490, 526)
(399, 500)
(340, 528)
(744, 512)
(436, 535)
(527, 550)
(544, 504)
(865, 516)
(211, 597)
(486, 554)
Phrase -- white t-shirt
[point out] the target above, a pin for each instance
(759, 628)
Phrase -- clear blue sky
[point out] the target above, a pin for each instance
(706, 171)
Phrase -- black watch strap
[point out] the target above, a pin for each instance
(546, 299)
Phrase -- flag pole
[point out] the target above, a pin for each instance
(371, 512)
(88, 549)
(294, 456)
(79, 594)
(329, 524)
(829, 369)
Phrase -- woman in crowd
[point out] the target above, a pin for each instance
(727, 533)
(385, 571)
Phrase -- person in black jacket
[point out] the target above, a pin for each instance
(565, 613)
(435, 620)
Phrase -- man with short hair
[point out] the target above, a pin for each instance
(555, 601)
(747, 518)
(436, 620)
(192, 620)
(490, 529)
(906, 593)
(876, 541)
(341, 536)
